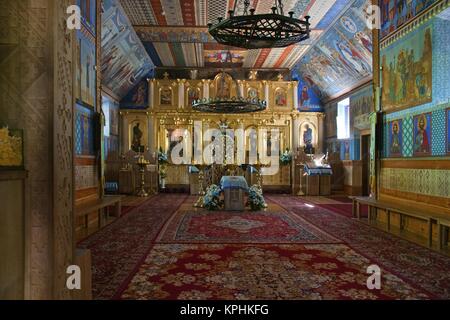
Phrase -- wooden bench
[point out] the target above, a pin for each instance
(430, 216)
(88, 207)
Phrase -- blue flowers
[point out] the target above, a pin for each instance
(212, 199)
(286, 158)
(256, 199)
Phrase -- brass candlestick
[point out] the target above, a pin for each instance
(201, 176)
(142, 163)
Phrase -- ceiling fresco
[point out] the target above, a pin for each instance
(342, 59)
(124, 59)
(174, 32)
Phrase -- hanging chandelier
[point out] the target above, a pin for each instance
(223, 103)
(257, 31)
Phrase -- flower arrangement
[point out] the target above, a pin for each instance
(162, 161)
(255, 198)
(286, 158)
(162, 157)
(211, 199)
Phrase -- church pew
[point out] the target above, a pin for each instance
(439, 216)
(88, 207)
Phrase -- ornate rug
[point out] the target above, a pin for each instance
(260, 272)
(121, 246)
(273, 225)
(416, 264)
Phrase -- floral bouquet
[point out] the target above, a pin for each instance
(256, 199)
(286, 158)
(211, 199)
(162, 157)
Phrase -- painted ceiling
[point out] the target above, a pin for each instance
(174, 32)
(124, 59)
(342, 59)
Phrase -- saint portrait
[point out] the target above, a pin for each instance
(223, 83)
(136, 144)
(422, 135)
(280, 97)
(165, 96)
(308, 139)
(193, 94)
(395, 138)
(253, 93)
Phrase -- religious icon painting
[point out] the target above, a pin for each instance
(11, 148)
(280, 97)
(165, 96)
(395, 138)
(253, 93)
(193, 94)
(87, 70)
(422, 135)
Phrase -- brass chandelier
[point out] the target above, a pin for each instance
(257, 31)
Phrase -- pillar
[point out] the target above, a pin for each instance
(295, 95)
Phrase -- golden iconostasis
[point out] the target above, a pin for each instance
(170, 119)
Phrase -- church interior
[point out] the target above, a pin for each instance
(225, 150)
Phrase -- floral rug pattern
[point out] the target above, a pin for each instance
(117, 249)
(272, 226)
(261, 272)
(165, 249)
(414, 263)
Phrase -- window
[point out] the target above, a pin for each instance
(343, 119)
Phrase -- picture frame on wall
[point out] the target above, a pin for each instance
(395, 138)
(422, 127)
(166, 96)
(11, 149)
(280, 97)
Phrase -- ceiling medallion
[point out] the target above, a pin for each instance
(223, 103)
(257, 31)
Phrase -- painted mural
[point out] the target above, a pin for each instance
(86, 76)
(110, 109)
(342, 59)
(396, 13)
(407, 70)
(84, 131)
(124, 59)
(88, 14)
(422, 135)
(225, 58)
(361, 105)
(308, 96)
(137, 98)
(395, 138)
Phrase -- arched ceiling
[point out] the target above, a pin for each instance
(175, 37)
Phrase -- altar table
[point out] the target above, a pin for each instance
(234, 189)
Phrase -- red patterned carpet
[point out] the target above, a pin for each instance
(120, 247)
(165, 249)
(262, 272)
(416, 264)
(272, 226)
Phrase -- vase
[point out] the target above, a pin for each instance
(163, 183)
